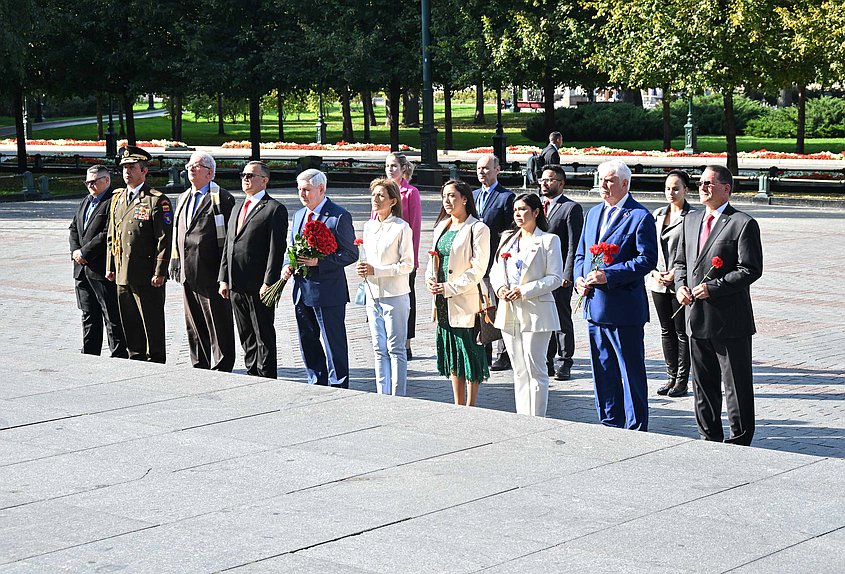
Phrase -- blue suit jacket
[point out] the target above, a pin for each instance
(622, 301)
(326, 285)
(497, 215)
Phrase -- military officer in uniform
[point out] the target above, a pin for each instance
(139, 243)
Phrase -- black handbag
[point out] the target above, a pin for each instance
(485, 332)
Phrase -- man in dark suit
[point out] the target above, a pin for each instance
(721, 320)
(495, 208)
(139, 243)
(615, 303)
(95, 295)
(550, 154)
(320, 299)
(566, 220)
(199, 232)
(251, 263)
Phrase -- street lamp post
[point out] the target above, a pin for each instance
(430, 173)
(111, 137)
(690, 132)
(500, 140)
(321, 125)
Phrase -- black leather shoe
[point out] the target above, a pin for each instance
(664, 390)
(678, 391)
(503, 363)
(563, 373)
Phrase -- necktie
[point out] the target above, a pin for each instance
(483, 200)
(546, 203)
(243, 214)
(129, 195)
(705, 232)
(610, 213)
(91, 205)
(195, 199)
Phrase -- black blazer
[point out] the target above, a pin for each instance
(550, 155)
(497, 215)
(196, 243)
(254, 255)
(566, 220)
(735, 238)
(91, 239)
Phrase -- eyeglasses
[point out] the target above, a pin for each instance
(247, 175)
(193, 166)
(90, 182)
(710, 184)
(548, 179)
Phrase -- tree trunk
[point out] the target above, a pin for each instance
(255, 127)
(634, 97)
(130, 118)
(171, 111)
(667, 128)
(412, 108)
(221, 130)
(549, 97)
(347, 132)
(121, 131)
(388, 106)
(802, 118)
(99, 101)
(369, 110)
(730, 133)
(395, 96)
(280, 109)
(447, 120)
(20, 128)
(177, 109)
(479, 103)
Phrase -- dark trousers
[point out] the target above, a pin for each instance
(412, 318)
(211, 330)
(257, 333)
(728, 361)
(673, 336)
(562, 343)
(98, 302)
(617, 354)
(142, 315)
(329, 366)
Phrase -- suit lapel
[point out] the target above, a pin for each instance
(253, 212)
(533, 246)
(715, 231)
(205, 202)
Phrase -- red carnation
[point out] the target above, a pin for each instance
(359, 241)
(505, 255)
(716, 262)
(433, 253)
(595, 249)
(608, 258)
(613, 249)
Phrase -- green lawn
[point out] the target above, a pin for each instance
(465, 134)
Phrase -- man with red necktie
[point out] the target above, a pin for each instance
(720, 318)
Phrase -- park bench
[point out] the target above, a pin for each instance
(530, 105)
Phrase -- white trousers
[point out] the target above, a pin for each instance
(530, 375)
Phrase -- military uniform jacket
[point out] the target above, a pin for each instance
(139, 237)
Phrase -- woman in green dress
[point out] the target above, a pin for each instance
(457, 262)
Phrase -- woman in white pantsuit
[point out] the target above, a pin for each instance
(528, 267)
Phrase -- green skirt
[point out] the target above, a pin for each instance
(459, 354)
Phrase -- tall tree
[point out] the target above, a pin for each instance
(16, 37)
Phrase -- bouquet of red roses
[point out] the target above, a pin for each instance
(602, 253)
(315, 241)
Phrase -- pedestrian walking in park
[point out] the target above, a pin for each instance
(251, 263)
(199, 233)
(528, 268)
(399, 169)
(457, 264)
(139, 244)
(387, 261)
(669, 221)
(96, 296)
(719, 257)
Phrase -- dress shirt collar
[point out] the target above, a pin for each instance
(489, 189)
(257, 197)
(619, 204)
(717, 212)
(316, 211)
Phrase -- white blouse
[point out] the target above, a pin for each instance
(389, 248)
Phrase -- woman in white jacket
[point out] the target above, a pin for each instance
(528, 267)
(461, 250)
(389, 249)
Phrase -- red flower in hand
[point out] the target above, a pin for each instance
(716, 262)
(608, 258)
(505, 255)
(613, 249)
(432, 253)
(359, 241)
(595, 249)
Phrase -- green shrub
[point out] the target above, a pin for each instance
(599, 121)
(825, 119)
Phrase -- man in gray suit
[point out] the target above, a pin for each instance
(199, 231)
(721, 320)
(566, 220)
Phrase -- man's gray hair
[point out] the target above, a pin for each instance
(205, 159)
(314, 177)
(619, 167)
(488, 157)
(262, 167)
(101, 170)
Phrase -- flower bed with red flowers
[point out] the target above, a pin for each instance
(609, 151)
(93, 143)
(339, 146)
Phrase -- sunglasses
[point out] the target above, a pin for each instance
(247, 176)
(90, 182)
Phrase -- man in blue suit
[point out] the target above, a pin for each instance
(495, 208)
(615, 303)
(320, 299)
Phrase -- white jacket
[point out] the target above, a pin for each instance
(542, 273)
(389, 248)
(467, 264)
